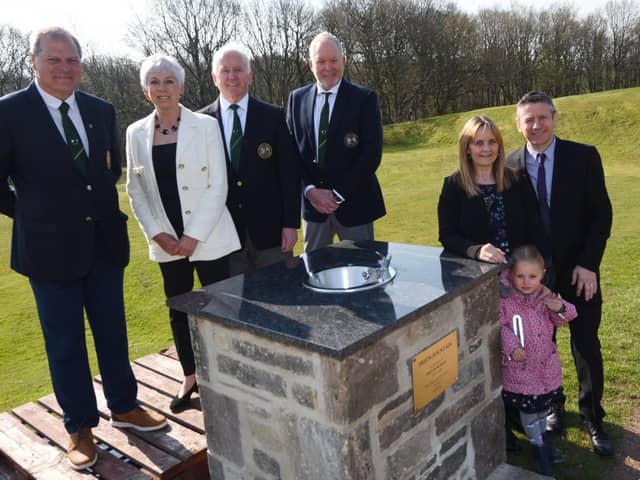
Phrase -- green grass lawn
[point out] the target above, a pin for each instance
(417, 156)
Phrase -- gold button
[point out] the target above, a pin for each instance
(88, 219)
(239, 183)
(89, 188)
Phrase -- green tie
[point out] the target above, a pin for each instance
(324, 127)
(235, 146)
(73, 140)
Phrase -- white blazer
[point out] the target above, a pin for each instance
(201, 173)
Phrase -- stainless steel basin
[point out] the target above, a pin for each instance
(349, 278)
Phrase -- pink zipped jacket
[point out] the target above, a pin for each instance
(541, 372)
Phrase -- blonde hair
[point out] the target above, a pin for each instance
(465, 175)
(526, 253)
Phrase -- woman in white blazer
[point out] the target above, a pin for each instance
(177, 183)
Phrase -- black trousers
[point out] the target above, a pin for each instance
(178, 279)
(585, 345)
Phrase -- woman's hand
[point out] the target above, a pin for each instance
(491, 254)
(167, 242)
(186, 245)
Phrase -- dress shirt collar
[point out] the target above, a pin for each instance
(53, 102)
(243, 103)
(549, 153)
(333, 90)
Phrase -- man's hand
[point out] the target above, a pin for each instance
(491, 254)
(167, 242)
(186, 245)
(585, 281)
(289, 239)
(322, 200)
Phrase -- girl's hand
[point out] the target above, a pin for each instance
(553, 303)
(519, 355)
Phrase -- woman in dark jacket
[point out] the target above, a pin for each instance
(484, 211)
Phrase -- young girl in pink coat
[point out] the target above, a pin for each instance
(529, 313)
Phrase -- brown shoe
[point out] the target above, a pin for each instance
(82, 451)
(139, 419)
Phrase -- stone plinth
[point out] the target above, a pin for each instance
(297, 384)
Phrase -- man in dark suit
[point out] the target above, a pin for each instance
(59, 148)
(262, 165)
(567, 180)
(338, 131)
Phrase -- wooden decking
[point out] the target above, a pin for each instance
(33, 439)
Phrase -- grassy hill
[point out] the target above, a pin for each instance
(416, 158)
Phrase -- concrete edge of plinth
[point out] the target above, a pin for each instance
(511, 472)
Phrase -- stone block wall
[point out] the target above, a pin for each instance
(274, 411)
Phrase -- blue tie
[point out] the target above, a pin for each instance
(545, 211)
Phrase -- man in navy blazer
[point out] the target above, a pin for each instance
(59, 148)
(575, 201)
(338, 131)
(264, 184)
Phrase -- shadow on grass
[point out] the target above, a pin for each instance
(580, 462)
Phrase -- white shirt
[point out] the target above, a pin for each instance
(226, 114)
(53, 105)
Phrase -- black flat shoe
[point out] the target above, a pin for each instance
(181, 403)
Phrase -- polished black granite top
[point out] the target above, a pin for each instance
(273, 301)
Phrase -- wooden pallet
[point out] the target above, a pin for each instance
(33, 439)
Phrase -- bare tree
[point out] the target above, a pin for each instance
(622, 16)
(14, 54)
(116, 79)
(278, 34)
(190, 30)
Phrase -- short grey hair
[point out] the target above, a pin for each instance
(235, 47)
(535, 97)
(325, 37)
(157, 63)
(35, 40)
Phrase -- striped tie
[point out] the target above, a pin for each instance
(235, 145)
(74, 143)
(323, 130)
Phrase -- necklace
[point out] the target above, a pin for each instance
(167, 131)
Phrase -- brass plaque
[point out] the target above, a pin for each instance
(434, 370)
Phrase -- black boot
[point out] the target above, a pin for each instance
(554, 419)
(543, 460)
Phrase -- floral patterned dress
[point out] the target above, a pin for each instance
(494, 203)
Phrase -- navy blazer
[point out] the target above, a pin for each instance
(264, 196)
(581, 213)
(464, 222)
(56, 211)
(354, 151)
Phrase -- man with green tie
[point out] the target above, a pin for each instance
(338, 131)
